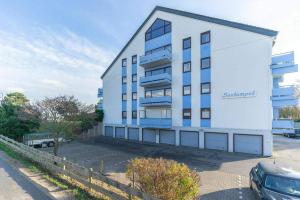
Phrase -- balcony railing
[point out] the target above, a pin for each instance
(283, 124)
(156, 101)
(283, 63)
(100, 92)
(156, 80)
(284, 91)
(162, 120)
(157, 58)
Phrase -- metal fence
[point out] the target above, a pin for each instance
(88, 178)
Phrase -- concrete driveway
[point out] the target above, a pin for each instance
(223, 175)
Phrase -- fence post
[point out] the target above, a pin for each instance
(64, 166)
(101, 167)
(90, 178)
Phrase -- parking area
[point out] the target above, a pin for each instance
(223, 175)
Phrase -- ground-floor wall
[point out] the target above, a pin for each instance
(259, 142)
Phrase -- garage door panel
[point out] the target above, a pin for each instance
(108, 131)
(133, 133)
(149, 135)
(252, 144)
(167, 137)
(189, 138)
(120, 132)
(217, 141)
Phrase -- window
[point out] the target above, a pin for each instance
(158, 71)
(134, 114)
(148, 94)
(205, 37)
(134, 59)
(124, 97)
(124, 62)
(124, 79)
(158, 28)
(134, 96)
(134, 78)
(186, 90)
(124, 114)
(187, 67)
(186, 113)
(205, 113)
(205, 63)
(205, 88)
(157, 93)
(167, 47)
(168, 92)
(186, 43)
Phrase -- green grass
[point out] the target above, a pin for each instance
(78, 193)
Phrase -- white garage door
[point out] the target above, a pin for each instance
(120, 132)
(189, 138)
(252, 144)
(149, 135)
(218, 141)
(167, 137)
(133, 133)
(109, 131)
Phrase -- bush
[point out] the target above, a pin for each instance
(164, 179)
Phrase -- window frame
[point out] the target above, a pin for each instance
(186, 63)
(123, 96)
(149, 31)
(135, 114)
(134, 99)
(124, 77)
(205, 59)
(206, 32)
(134, 56)
(202, 110)
(124, 117)
(190, 90)
(124, 59)
(190, 39)
(135, 78)
(186, 110)
(201, 86)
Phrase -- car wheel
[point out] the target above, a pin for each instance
(250, 185)
(50, 144)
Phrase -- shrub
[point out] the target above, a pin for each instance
(164, 179)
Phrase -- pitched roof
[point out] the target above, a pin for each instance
(254, 29)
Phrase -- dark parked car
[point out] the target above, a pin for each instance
(272, 182)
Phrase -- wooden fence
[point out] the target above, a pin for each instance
(82, 175)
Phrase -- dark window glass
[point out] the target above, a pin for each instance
(205, 37)
(148, 94)
(148, 36)
(148, 73)
(157, 93)
(134, 59)
(186, 90)
(124, 79)
(124, 114)
(285, 185)
(187, 43)
(134, 114)
(205, 63)
(134, 78)
(187, 67)
(168, 28)
(124, 62)
(168, 92)
(157, 24)
(205, 88)
(158, 28)
(124, 97)
(134, 96)
(186, 113)
(205, 113)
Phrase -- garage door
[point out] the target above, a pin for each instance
(109, 131)
(189, 138)
(218, 141)
(252, 144)
(120, 132)
(149, 135)
(167, 137)
(133, 133)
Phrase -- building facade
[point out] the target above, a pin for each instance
(191, 80)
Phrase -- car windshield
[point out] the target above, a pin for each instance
(283, 185)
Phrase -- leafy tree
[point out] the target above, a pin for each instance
(99, 115)
(290, 112)
(16, 99)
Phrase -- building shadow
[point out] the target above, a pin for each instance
(229, 194)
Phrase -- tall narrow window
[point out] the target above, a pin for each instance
(124, 79)
(187, 66)
(124, 97)
(158, 28)
(124, 62)
(205, 63)
(205, 37)
(186, 90)
(124, 114)
(134, 59)
(134, 114)
(168, 92)
(134, 96)
(205, 88)
(186, 114)
(205, 113)
(186, 44)
(148, 94)
(134, 78)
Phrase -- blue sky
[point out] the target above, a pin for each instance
(50, 47)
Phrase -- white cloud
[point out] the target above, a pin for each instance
(51, 63)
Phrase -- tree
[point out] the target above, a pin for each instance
(99, 115)
(61, 115)
(16, 99)
(290, 112)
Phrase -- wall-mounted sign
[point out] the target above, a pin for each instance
(235, 94)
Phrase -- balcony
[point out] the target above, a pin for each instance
(156, 119)
(283, 63)
(156, 80)
(157, 58)
(284, 91)
(283, 124)
(283, 101)
(156, 101)
(100, 92)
